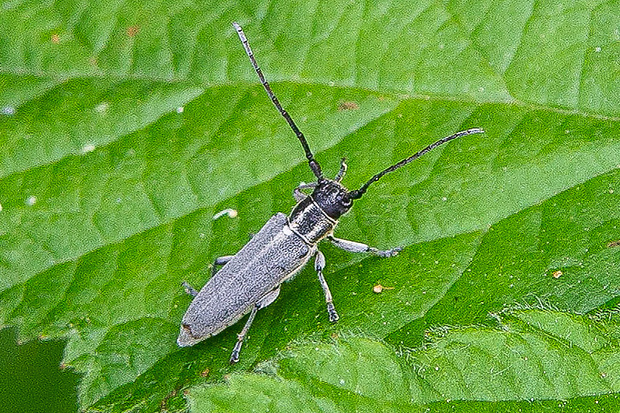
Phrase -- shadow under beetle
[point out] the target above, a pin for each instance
(251, 279)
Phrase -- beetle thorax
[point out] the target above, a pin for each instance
(317, 215)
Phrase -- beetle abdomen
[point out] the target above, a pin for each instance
(273, 255)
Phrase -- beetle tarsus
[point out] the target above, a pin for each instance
(234, 356)
(333, 315)
(386, 253)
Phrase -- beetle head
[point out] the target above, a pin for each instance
(332, 197)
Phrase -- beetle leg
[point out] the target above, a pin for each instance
(298, 194)
(189, 289)
(342, 171)
(353, 246)
(262, 303)
(319, 265)
(219, 261)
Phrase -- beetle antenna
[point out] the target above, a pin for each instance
(314, 165)
(356, 194)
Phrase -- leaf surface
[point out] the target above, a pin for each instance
(126, 127)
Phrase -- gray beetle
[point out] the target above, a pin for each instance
(251, 279)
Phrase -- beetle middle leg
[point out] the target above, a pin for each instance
(267, 299)
(353, 246)
(219, 261)
(319, 265)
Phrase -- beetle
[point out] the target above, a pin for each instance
(250, 280)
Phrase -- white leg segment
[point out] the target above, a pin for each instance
(353, 246)
(297, 192)
(319, 265)
(262, 303)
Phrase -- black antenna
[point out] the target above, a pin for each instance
(314, 165)
(356, 194)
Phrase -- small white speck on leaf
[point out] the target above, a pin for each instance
(180, 109)
(232, 213)
(102, 107)
(89, 147)
(31, 200)
(378, 289)
(8, 110)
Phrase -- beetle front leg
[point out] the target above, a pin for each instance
(319, 265)
(267, 299)
(300, 196)
(353, 246)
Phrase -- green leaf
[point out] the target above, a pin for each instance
(532, 355)
(126, 127)
(30, 380)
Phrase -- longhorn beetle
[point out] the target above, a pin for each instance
(251, 279)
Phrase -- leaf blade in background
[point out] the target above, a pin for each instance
(524, 358)
(125, 127)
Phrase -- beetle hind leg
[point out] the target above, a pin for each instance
(262, 303)
(189, 289)
(319, 265)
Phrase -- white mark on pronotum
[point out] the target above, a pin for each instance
(89, 147)
(31, 200)
(232, 213)
(102, 107)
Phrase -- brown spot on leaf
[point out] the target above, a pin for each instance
(133, 30)
(55, 38)
(557, 274)
(348, 105)
(614, 244)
